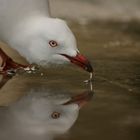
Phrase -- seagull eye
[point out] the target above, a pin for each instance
(53, 43)
(55, 115)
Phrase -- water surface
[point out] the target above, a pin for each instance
(113, 113)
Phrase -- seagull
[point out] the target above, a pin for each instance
(27, 27)
(41, 114)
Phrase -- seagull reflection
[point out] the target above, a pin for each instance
(41, 115)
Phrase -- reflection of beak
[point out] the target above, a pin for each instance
(80, 99)
(80, 61)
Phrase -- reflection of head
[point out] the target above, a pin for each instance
(45, 115)
(41, 114)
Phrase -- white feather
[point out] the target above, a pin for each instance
(26, 26)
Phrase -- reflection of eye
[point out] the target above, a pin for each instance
(55, 115)
(53, 43)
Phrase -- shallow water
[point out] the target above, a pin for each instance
(113, 113)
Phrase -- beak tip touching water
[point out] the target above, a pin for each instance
(88, 67)
(80, 61)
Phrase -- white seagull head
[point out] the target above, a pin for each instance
(49, 41)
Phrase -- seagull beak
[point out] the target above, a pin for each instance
(80, 61)
(81, 99)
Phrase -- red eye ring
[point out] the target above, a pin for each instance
(53, 43)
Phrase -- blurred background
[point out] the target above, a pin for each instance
(85, 10)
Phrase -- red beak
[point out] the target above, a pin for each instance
(80, 61)
(81, 99)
